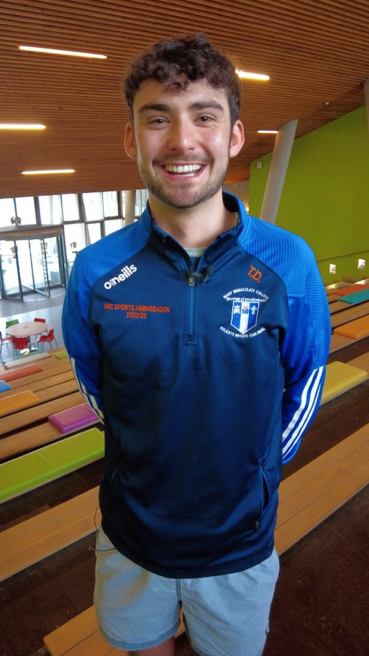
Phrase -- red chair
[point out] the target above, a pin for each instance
(47, 339)
(20, 343)
(40, 321)
(5, 340)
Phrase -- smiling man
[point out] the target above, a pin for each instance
(200, 336)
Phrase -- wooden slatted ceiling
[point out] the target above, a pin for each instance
(315, 51)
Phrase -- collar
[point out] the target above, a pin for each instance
(231, 202)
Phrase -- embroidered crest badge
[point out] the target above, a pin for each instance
(244, 315)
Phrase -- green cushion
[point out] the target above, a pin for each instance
(32, 469)
(61, 355)
(339, 378)
(356, 297)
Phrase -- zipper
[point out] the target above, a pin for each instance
(191, 309)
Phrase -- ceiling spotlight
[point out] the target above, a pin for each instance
(47, 172)
(71, 53)
(21, 126)
(244, 75)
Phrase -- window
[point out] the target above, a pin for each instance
(74, 239)
(7, 211)
(93, 206)
(112, 225)
(94, 232)
(26, 210)
(50, 210)
(110, 202)
(70, 207)
(141, 199)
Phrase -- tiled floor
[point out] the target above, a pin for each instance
(321, 606)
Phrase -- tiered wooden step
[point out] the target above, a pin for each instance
(306, 498)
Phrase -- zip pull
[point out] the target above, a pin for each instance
(191, 277)
(204, 275)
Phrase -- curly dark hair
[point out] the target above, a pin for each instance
(190, 57)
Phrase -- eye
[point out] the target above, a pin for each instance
(157, 121)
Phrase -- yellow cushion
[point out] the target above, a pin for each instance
(339, 378)
(354, 329)
(17, 402)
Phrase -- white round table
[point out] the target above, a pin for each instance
(27, 329)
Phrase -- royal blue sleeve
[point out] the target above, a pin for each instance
(81, 344)
(305, 351)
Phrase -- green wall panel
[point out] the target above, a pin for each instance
(326, 193)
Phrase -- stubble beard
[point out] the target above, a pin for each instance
(183, 198)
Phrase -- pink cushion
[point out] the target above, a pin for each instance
(73, 418)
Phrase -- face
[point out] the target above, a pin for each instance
(182, 140)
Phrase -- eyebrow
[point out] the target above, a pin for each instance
(161, 107)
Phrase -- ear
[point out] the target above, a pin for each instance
(130, 142)
(237, 139)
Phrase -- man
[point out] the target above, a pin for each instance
(200, 336)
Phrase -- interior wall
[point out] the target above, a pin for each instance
(325, 197)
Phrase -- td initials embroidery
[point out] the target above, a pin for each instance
(255, 274)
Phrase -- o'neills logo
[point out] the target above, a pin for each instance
(126, 272)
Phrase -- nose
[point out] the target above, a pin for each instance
(181, 136)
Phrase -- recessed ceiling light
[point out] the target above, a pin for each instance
(46, 172)
(267, 131)
(22, 126)
(252, 76)
(71, 53)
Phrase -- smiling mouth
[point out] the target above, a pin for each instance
(183, 169)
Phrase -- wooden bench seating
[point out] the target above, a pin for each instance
(317, 490)
(339, 341)
(306, 498)
(55, 523)
(52, 400)
(36, 538)
(29, 379)
(349, 314)
(337, 306)
(47, 463)
(41, 434)
(57, 391)
(51, 532)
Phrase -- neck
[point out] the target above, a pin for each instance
(195, 226)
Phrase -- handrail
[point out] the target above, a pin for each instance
(333, 257)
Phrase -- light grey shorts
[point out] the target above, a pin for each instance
(224, 615)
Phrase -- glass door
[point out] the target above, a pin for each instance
(9, 280)
(31, 265)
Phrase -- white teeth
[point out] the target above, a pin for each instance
(186, 168)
